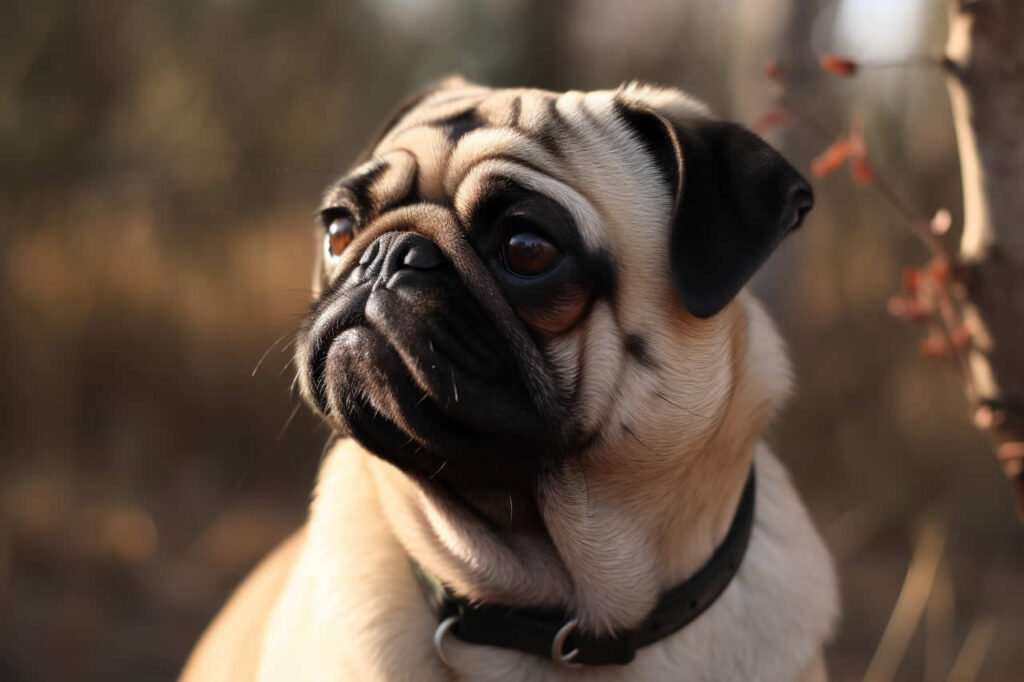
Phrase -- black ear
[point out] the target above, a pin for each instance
(736, 198)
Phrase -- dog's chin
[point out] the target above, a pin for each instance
(434, 420)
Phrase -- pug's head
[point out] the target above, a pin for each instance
(510, 279)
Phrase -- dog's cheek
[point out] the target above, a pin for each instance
(556, 316)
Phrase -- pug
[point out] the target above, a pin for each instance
(532, 338)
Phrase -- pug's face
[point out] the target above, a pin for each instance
(511, 276)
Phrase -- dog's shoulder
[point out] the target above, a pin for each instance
(230, 647)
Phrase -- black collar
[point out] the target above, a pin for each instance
(552, 633)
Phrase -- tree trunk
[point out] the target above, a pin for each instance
(985, 61)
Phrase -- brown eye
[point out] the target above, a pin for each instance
(528, 254)
(339, 234)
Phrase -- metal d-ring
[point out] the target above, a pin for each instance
(442, 629)
(563, 660)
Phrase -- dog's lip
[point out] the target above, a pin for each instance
(378, 431)
(444, 377)
(368, 422)
(377, 353)
(324, 332)
(373, 348)
(419, 434)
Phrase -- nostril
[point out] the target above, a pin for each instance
(400, 257)
(422, 256)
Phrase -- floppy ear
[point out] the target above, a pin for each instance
(735, 199)
(407, 105)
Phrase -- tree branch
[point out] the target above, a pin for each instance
(984, 63)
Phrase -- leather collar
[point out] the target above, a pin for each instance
(552, 633)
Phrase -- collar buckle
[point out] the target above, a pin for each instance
(439, 634)
(564, 660)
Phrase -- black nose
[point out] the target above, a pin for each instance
(400, 258)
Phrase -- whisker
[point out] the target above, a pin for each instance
(288, 421)
(267, 352)
(439, 469)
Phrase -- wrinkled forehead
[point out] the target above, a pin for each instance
(451, 147)
(445, 118)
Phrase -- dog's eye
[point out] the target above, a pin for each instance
(340, 231)
(528, 254)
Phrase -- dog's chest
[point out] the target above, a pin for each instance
(354, 611)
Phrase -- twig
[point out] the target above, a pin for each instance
(973, 652)
(938, 626)
(910, 604)
(948, 322)
(916, 222)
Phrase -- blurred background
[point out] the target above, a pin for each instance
(160, 166)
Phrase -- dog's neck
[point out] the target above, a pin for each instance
(601, 552)
(607, 542)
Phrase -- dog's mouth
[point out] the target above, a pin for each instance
(422, 378)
